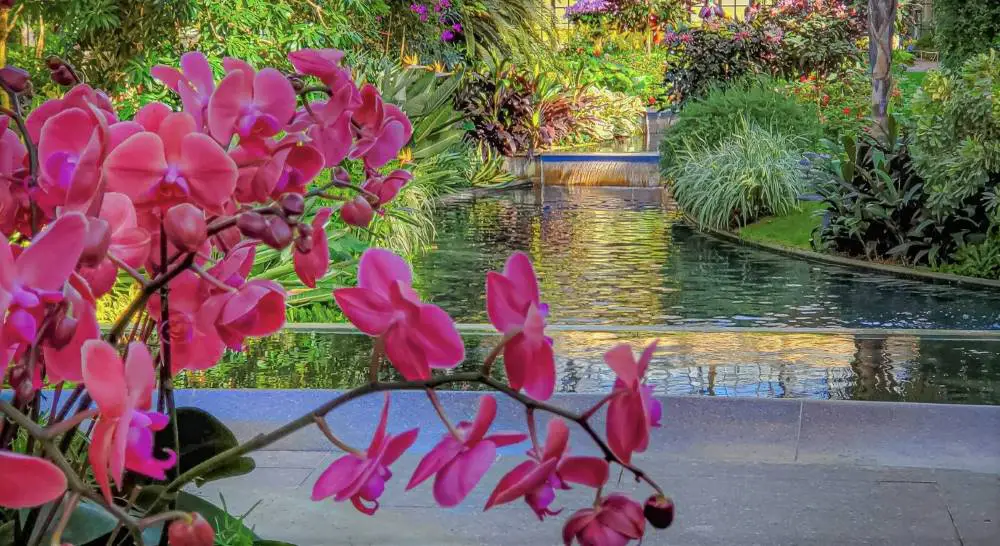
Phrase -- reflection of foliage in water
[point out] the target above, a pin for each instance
(897, 368)
(294, 360)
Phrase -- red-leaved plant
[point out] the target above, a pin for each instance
(179, 201)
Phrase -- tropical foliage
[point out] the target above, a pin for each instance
(965, 28)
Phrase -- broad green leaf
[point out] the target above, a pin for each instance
(202, 436)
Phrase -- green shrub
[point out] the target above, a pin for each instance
(964, 28)
(708, 121)
(956, 119)
(976, 260)
(753, 173)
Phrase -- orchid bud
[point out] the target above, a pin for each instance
(62, 332)
(24, 390)
(340, 177)
(14, 78)
(293, 204)
(278, 234)
(53, 62)
(357, 212)
(185, 227)
(659, 511)
(96, 241)
(252, 224)
(298, 84)
(63, 76)
(305, 230)
(197, 532)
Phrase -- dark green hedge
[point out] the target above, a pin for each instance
(965, 28)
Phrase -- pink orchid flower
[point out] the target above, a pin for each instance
(361, 476)
(194, 341)
(287, 167)
(173, 165)
(80, 97)
(537, 478)
(255, 309)
(36, 278)
(387, 187)
(194, 83)
(617, 521)
(70, 151)
(311, 266)
(634, 410)
(383, 129)
(12, 155)
(65, 362)
(29, 481)
(123, 434)
(129, 243)
(418, 336)
(514, 308)
(253, 105)
(458, 464)
(325, 65)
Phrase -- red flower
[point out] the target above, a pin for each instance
(847, 111)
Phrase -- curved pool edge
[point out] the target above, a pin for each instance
(940, 436)
(816, 257)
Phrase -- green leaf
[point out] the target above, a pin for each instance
(88, 522)
(7, 533)
(202, 437)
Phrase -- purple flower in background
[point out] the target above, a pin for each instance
(457, 28)
(442, 5)
(419, 9)
(584, 7)
(447, 36)
(443, 20)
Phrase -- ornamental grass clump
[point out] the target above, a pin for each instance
(752, 174)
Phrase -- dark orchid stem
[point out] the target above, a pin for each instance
(18, 116)
(490, 358)
(532, 432)
(53, 417)
(593, 409)
(376, 361)
(340, 444)
(73, 397)
(166, 383)
(436, 402)
(158, 282)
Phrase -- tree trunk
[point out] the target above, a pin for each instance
(881, 23)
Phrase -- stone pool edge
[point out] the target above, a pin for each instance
(816, 257)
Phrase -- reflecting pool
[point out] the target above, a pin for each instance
(911, 368)
(614, 255)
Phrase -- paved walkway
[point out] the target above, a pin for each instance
(742, 472)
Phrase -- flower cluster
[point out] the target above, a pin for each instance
(446, 17)
(179, 200)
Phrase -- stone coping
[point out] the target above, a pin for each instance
(941, 436)
(899, 271)
(624, 157)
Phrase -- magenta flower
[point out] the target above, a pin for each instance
(29, 481)
(176, 164)
(328, 125)
(458, 464)
(129, 242)
(253, 105)
(311, 266)
(634, 410)
(287, 167)
(325, 65)
(514, 308)
(81, 96)
(361, 476)
(447, 35)
(537, 478)
(617, 521)
(387, 187)
(357, 212)
(194, 340)
(123, 434)
(194, 83)
(418, 336)
(383, 129)
(255, 309)
(35, 278)
(69, 153)
(64, 357)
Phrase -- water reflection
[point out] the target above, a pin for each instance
(828, 366)
(620, 256)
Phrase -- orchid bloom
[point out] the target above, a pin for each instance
(537, 478)
(173, 165)
(311, 266)
(383, 129)
(361, 476)
(418, 336)
(69, 153)
(35, 278)
(255, 309)
(387, 187)
(12, 154)
(63, 357)
(253, 105)
(615, 522)
(458, 463)
(633, 410)
(194, 83)
(29, 481)
(328, 125)
(287, 167)
(325, 65)
(81, 96)
(194, 341)
(515, 310)
(129, 242)
(123, 434)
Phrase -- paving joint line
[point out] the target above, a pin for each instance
(798, 431)
(951, 517)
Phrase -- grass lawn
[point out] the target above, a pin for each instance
(794, 230)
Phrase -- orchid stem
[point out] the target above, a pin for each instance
(132, 272)
(65, 426)
(74, 499)
(436, 402)
(491, 358)
(594, 409)
(169, 515)
(376, 363)
(211, 279)
(532, 430)
(341, 445)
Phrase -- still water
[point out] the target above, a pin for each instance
(621, 256)
(909, 368)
